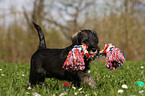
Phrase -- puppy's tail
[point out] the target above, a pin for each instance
(42, 44)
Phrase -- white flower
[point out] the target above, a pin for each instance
(27, 93)
(80, 89)
(113, 76)
(74, 88)
(29, 88)
(63, 94)
(2, 74)
(36, 94)
(141, 67)
(141, 91)
(86, 95)
(120, 91)
(82, 92)
(89, 71)
(76, 93)
(23, 75)
(1, 69)
(124, 86)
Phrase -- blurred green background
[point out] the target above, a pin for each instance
(121, 22)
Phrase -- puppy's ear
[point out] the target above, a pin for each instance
(74, 38)
(79, 37)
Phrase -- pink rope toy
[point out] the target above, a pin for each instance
(114, 57)
(75, 59)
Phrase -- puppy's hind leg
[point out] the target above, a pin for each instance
(32, 81)
(37, 72)
(87, 79)
(36, 76)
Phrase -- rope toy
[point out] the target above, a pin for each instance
(114, 56)
(75, 58)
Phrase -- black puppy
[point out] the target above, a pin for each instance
(47, 63)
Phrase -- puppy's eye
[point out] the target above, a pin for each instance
(85, 41)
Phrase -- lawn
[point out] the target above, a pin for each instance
(13, 81)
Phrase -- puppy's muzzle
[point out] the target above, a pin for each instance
(94, 51)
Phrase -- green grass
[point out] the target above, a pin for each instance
(109, 82)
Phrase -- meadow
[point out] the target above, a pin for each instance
(13, 81)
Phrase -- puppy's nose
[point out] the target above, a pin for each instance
(93, 49)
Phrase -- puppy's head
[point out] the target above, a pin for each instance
(87, 37)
